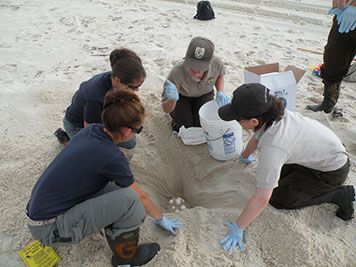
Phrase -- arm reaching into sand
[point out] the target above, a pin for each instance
(150, 208)
(250, 147)
(246, 156)
(171, 225)
(254, 207)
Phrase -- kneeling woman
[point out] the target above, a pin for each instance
(301, 162)
(87, 103)
(89, 186)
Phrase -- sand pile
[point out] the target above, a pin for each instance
(47, 48)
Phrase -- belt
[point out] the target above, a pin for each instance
(40, 223)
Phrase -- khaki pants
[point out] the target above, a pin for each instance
(116, 209)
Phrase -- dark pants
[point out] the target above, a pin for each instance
(338, 55)
(299, 186)
(186, 111)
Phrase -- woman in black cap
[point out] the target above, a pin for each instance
(301, 162)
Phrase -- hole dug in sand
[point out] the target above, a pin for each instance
(179, 176)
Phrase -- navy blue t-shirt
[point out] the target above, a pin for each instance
(87, 102)
(85, 166)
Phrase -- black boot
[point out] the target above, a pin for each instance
(344, 198)
(331, 95)
(62, 136)
(127, 251)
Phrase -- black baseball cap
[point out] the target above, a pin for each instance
(250, 100)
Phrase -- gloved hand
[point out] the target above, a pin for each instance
(235, 237)
(250, 159)
(171, 91)
(222, 99)
(347, 19)
(170, 225)
(335, 11)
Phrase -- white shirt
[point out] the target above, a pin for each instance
(296, 139)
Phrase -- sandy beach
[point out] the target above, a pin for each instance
(47, 48)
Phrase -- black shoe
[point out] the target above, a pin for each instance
(174, 126)
(345, 198)
(144, 254)
(337, 113)
(62, 136)
(320, 107)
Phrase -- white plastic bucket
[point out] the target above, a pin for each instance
(224, 138)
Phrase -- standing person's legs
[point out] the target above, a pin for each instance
(339, 52)
(182, 114)
(302, 187)
(338, 55)
(197, 103)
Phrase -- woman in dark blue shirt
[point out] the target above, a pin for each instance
(89, 186)
(87, 102)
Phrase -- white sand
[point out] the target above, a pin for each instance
(48, 47)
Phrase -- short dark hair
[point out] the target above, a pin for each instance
(126, 65)
(122, 108)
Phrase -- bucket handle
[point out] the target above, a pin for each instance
(218, 137)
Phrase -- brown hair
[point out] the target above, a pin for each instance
(126, 65)
(274, 113)
(122, 108)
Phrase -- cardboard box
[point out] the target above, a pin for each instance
(283, 84)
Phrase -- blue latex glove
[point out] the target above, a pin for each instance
(222, 99)
(250, 159)
(347, 20)
(171, 91)
(170, 225)
(235, 237)
(335, 11)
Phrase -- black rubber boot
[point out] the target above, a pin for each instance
(127, 251)
(320, 107)
(344, 198)
(331, 95)
(62, 136)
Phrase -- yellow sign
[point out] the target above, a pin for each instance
(37, 255)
